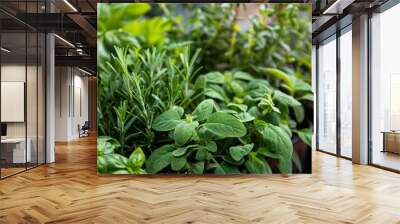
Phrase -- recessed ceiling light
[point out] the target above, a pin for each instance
(5, 50)
(84, 71)
(64, 40)
(70, 5)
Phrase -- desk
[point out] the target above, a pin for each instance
(391, 141)
(18, 150)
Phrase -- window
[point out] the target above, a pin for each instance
(327, 96)
(385, 89)
(346, 93)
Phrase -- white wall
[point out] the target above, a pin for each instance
(71, 94)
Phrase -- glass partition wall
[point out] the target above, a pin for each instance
(385, 89)
(334, 94)
(327, 95)
(22, 77)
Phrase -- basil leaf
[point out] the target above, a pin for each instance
(299, 113)
(225, 125)
(257, 165)
(306, 136)
(238, 152)
(106, 145)
(115, 162)
(136, 159)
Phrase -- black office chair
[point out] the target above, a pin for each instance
(84, 130)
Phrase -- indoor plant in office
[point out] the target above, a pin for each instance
(165, 107)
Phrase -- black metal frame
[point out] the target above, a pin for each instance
(337, 35)
(387, 5)
(44, 79)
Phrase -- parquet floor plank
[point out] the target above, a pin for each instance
(70, 191)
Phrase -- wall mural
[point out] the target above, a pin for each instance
(204, 88)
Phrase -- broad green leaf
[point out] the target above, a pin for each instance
(228, 158)
(215, 77)
(296, 161)
(203, 110)
(167, 121)
(242, 75)
(106, 145)
(244, 117)
(197, 168)
(200, 83)
(257, 165)
(136, 159)
(160, 158)
(225, 125)
(278, 74)
(285, 166)
(301, 86)
(225, 168)
(265, 152)
(286, 128)
(183, 132)
(276, 141)
(285, 99)
(238, 152)
(101, 164)
(299, 113)
(236, 88)
(307, 97)
(178, 109)
(182, 150)
(151, 30)
(177, 163)
(238, 107)
(115, 162)
(306, 136)
(201, 154)
(216, 92)
(211, 146)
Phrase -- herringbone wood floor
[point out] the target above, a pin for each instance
(70, 191)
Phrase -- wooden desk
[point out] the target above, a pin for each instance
(391, 141)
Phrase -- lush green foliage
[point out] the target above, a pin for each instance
(232, 105)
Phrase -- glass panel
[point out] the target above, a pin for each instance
(346, 94)
(327, 96)
(31, 97)
(385, 84)
(13, 86)
(32, 87)
(41, 98)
